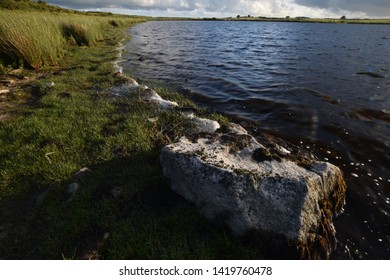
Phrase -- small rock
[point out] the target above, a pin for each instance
(72, 188)
(153, 120)
(50, 85)
(125, 84)
(203, 125)
(2, 91)
(151, 95)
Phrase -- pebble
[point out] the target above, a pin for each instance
(153, 120)
(72, 188)
(50, 85)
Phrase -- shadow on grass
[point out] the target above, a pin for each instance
(123, 209)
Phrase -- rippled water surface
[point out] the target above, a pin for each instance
(324, 87)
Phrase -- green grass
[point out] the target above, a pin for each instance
(53, 132)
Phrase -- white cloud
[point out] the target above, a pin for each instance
(279, 8)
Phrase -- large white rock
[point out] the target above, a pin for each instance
(234, 179)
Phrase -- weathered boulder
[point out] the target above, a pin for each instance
(235, 180)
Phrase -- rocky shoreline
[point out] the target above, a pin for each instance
(254, 187)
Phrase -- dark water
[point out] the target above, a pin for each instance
(323, 87)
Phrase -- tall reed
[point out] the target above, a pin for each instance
(30, 39)
(36, 39)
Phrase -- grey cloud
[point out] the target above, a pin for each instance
(127, 4)
(370, 7)
(374, 8)
(216, 6)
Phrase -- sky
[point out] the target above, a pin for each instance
(217, 8)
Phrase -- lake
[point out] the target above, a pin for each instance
(324, 87)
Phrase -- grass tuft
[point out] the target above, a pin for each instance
(81, 34)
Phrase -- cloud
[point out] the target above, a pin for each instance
(313, 8)
(216, 6)
(377, 8)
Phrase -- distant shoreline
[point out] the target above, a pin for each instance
(295, 20)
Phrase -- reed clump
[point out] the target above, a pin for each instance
(36, 39)
(30, 39)
(83, 33)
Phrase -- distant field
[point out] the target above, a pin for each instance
(315, 20)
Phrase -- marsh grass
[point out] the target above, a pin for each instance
(30, 39)
(34, 40)
(81, 34)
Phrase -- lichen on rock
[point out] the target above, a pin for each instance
(239, 182)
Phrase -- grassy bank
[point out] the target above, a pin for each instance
(63, 120)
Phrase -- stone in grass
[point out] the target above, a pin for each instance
(152, 96)
(71, 190)
(235, 180)
(202, 125)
